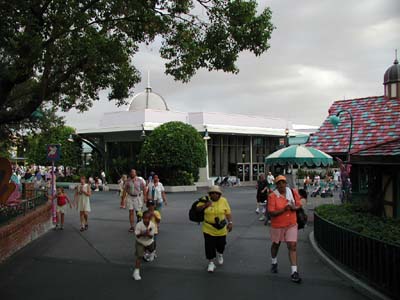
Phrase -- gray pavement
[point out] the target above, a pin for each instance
(97, 264)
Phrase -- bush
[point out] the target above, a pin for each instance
(356, 217)
(175, 151)
(71, 178)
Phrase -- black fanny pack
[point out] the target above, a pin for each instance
(219, 224)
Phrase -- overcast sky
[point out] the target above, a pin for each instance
(321, 51)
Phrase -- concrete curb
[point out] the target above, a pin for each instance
(359, 285)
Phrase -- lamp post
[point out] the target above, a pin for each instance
(335, 120)
(206, 138)
(286, 137)
(143, 135)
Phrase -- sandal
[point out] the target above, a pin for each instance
(86, 227)
(82, 229)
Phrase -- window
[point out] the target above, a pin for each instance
(393, 90)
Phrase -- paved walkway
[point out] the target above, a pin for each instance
(97, 264)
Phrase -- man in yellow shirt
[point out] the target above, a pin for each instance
(216, 225)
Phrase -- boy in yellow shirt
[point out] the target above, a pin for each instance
(155, 217)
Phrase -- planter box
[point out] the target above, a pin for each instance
(24, 229)
(180, 188)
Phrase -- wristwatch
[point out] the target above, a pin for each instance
(230, 222)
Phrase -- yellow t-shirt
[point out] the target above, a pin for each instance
(153, 219)
(218, 209)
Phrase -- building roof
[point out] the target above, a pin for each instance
(389, 148)
(215, 122)
(375, 120)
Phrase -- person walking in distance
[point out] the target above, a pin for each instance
(262, 195)
(216, 225)
(134, 191)
(282, 205)
(82, 194)
(156, 193)
(122, 195)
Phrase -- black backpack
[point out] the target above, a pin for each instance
(301, 215)
(196, 215)
(301, 218)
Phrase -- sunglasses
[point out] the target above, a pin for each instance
(213, 193)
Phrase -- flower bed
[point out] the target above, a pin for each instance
(10, 211)
(356, 218)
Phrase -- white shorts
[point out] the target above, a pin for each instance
(62, 209)
(134, 203)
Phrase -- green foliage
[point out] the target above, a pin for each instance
(14, 134)
(72, 178)
(175, 151)
(70, 151)
(356, 217)
(65, 52)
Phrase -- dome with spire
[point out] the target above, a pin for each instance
(392, 74)
(391, 80)
(147, 100)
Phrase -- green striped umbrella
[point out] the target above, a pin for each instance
(299, 155)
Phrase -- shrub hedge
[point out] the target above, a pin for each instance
(356, 218)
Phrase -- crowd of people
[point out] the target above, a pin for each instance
(144, 199)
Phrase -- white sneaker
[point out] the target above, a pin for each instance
(136, 274)
(220, 258)
(257, 210)
(211, 267)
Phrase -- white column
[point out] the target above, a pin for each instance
(251, 158)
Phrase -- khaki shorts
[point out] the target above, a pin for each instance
(140, 249)
(135, 203)
(62, 209)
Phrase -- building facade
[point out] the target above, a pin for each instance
(236, 144)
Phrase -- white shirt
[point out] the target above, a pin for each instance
(270, 179)
(141, 229)
(158, 189)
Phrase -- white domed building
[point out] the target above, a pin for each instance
(237, 144)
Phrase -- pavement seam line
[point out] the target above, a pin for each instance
(91, 245)
(361, 286)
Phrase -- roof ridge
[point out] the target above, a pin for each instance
(362, 98)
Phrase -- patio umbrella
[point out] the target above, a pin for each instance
(299, 155)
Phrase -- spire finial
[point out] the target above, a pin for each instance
(148, 80)
(395, 57)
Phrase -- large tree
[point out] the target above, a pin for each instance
(65, 51)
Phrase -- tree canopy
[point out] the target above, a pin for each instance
(71, 152)
(63, 52)
(175, 151)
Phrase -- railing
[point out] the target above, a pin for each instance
(11, 211)
(377, 262)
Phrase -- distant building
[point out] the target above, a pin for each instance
(237, 146)
(375, 148)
